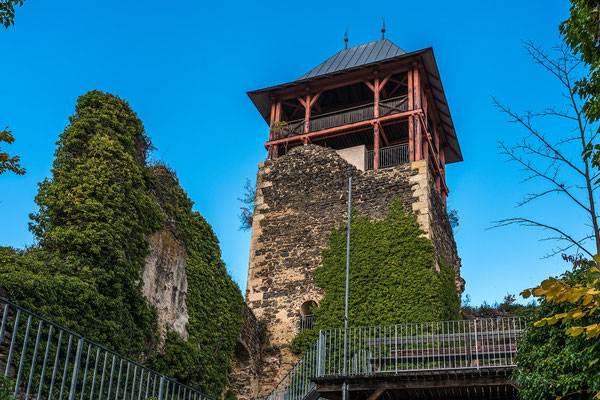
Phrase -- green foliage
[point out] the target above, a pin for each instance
(214, 301)
(8, 162)
(94, 216)
(6, 387)
(392, 276)
(508, 308)
(7, 11)
(552, 364)
(247, 209)
(581, 32)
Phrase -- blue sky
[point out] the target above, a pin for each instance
(185, 69)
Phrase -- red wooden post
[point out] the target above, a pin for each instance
(411, 106)
(417, 105)
(307, 106)
(272, 117)
(278, 111)
(376, 125)
(376, 146)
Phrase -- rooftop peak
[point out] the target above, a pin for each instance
(352, 57)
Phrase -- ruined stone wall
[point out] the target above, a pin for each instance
(299, 198)
(164, 282)
(247, 357)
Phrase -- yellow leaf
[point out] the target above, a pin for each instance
(578, 315)
(538, 292)
(592, 331)
(552, 320)
(595, 269)
(597, 258)
(546, 284)
(526, 293)
(575, 331)
(587, 299)
(539, 323)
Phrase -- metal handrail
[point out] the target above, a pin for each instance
(73, 374)
(306, 322)
(390, 156)
(389, 349)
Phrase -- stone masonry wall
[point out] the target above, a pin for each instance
(247, 357)
(300, 197)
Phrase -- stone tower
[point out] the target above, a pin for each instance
(374, 112)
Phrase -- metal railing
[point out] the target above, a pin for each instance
(390, 156)
(306, 323)
(449, 345)
(42, 360)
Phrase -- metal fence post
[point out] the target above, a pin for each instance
(160, 387)
(476, 348)
(319, 354)
(76, 369)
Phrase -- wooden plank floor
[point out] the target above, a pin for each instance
(485, 383)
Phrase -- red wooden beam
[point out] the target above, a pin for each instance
(417, 104)
(307, 104)
(383, 135)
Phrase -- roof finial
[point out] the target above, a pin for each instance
(346, 39)
(383, 30)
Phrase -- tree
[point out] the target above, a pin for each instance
(94, 216)
(7, 162)
(552, 364)
(7, 11)
(581, 32)
(553, 158)
(247, 209)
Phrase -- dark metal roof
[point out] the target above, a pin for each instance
(356, 56)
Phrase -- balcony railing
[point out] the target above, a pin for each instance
(306, 323)
(376, 350)
(347, 116)
(389, 156)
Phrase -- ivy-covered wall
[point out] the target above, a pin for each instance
(214, 301)
(392, 276)
(95, 215)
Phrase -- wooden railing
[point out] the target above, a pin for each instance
(282, 130)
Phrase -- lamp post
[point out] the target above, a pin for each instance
(345, 386)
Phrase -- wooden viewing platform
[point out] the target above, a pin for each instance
(439, 360)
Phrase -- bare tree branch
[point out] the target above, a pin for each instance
(528, 222)
(558, 159)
